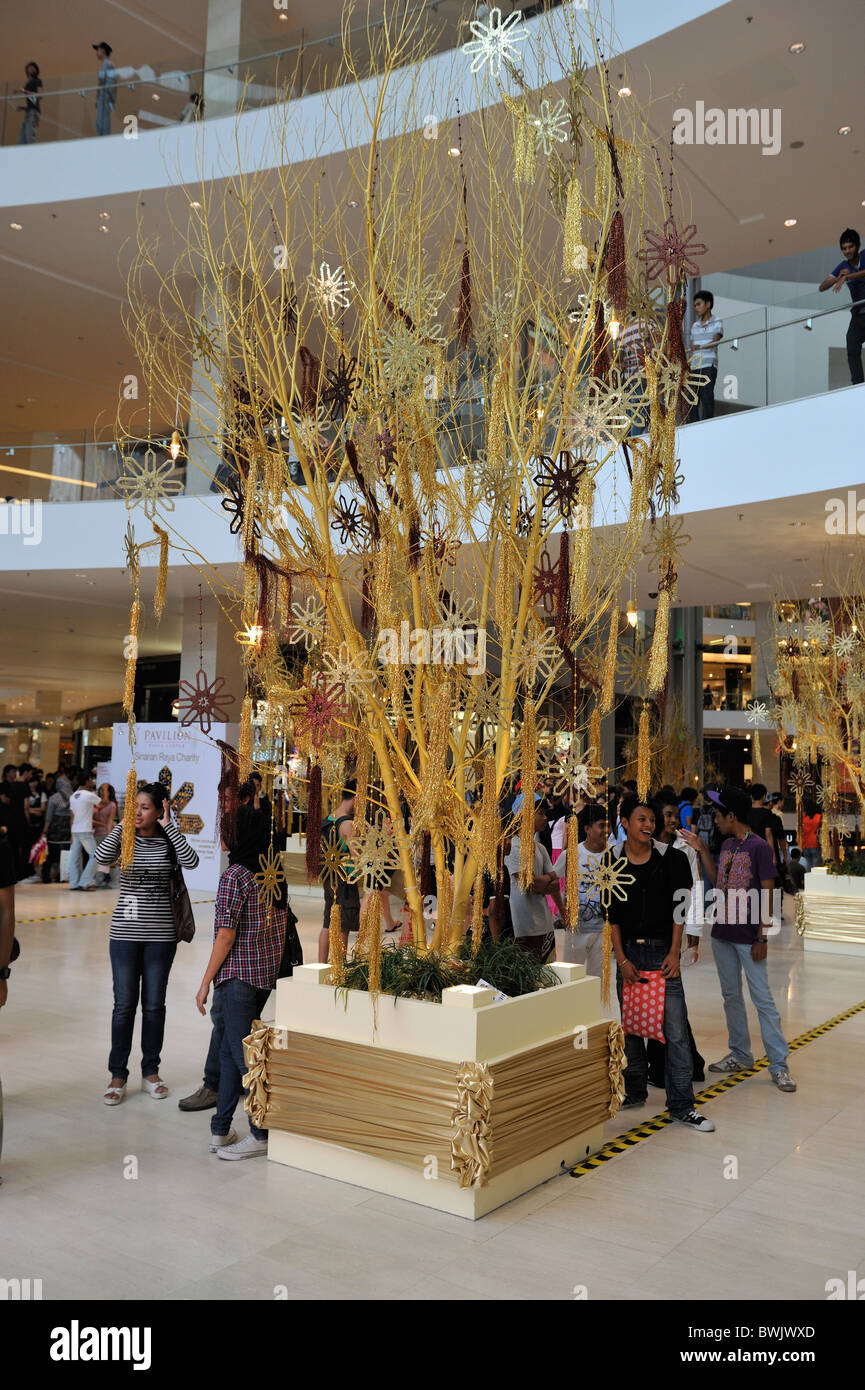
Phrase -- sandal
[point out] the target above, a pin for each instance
(114, 1095)
(157, 1089)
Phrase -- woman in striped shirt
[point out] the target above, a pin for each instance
(143, 938)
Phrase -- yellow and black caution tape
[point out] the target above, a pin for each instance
(625, 1141)
(99, 912)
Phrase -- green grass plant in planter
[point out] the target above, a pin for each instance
(853, 864)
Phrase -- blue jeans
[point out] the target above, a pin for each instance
(80, 842)
(104, 107)
(811, 857)
(678, 1067)
(27, 135)
(240, 1004)
(211, 1065)
(135, 965)
(732, 958)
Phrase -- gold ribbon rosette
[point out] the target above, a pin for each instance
(470, 1151)
(255, 1051)
(617, 1067)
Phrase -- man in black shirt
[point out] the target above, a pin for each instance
(647, 935)
(32, 107)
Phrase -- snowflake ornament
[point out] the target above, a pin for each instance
(331, 289)
(672, 252)
(538, 657)
(353, 673)
(132, 559)
(349, 519)
(559, 480)
(552, 126)
(845, 645)
(307, 623)
(334, 863)
(234, 502)
(607, 878)
(632, 666)
(341, 385)
(203, 702)
(545, 584)
(817, 631)
(599, 418)
(149, 482)
(318, 713)
(204, 346)
(270, 879)
(799, 781)
(374, 854)
(487, 694)
(577, 772)
(495, 40)
(757, 713)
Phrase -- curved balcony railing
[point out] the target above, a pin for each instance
(166, 93)
(803, 356)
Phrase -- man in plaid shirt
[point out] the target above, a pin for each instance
(247, 950)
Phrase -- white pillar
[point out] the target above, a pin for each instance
(221, 89)
(221, 653)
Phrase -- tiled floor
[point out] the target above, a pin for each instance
(660, 1221)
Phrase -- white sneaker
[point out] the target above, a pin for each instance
(221, 1141)
(250, 1147)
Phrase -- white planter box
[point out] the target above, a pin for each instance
(467, 1027)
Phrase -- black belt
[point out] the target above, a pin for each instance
(651, 941)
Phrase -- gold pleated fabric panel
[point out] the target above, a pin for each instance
(834, 919)
(476, 1121)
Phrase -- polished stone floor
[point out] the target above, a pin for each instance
(663, 1220)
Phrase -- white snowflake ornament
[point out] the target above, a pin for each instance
(495, 40)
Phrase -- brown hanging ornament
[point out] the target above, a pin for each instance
(161, 574)
(313, 825)
(614, 264)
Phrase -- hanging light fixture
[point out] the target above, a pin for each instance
(175, 448)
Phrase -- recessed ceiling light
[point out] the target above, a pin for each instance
(352, 202)
(195, 205)
(624, 91)
(283, 17)
(845, 129)
(155, 96)
(797, 48)
(16, 226)
(104, 229)
(454, 153)
(104, 216)
(790, 221)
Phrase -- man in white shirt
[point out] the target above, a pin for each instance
(585, 944)
(81, 804)
(706, 334)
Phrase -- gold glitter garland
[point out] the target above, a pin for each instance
(127, 843)
(244, 742)
(373, 943)
(572, 877)
(644, 760)
(132, 657)
(490, 822)
(573, 249)
(528, 773)
(161, 574)
(595, 730)
(608, 687)
(660, 637)
(477, 914)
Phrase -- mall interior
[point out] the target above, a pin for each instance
(161, 168)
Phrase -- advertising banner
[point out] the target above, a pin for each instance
(188, 766)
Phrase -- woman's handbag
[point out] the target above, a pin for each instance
(181, 907)
(292, 951)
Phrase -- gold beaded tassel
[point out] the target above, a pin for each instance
(361, 777)
(497, 443)
(504, 592)
(572, 878)
(756, 751)
(162, 573)
(244, 742)
(127, 843)
(582, 550)
(528, 769)
(660, 637)
(336, 953)
(644, 761)
(525, 145)
(132, 657)
(249, 499)
(573, 248)
(477, 914)
(606, 974)
(436, 766)
(608, 688)
(825, 839)
(595, 731)
(373, 943)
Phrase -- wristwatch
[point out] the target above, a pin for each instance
(5, 973)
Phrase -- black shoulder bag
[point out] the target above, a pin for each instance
(181, 907)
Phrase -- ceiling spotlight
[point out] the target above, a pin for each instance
(797, 48)
(155, 96)
(283, 17)
(16, 226)
(104, 229)
(845, 129)
(624, 91)
(195, 205)
(790, 221)
(352, 202)
(104, 216)
(454, 152)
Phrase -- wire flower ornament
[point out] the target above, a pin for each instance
(672, 252)
(552, 126)
(307, 623)
(331, 289)
(270, 878)
(149, 482)
(318, 713)
(374, 854)
(495, 40)
(203, 702)
(608, 877)
(757, 713)
(334, 862)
